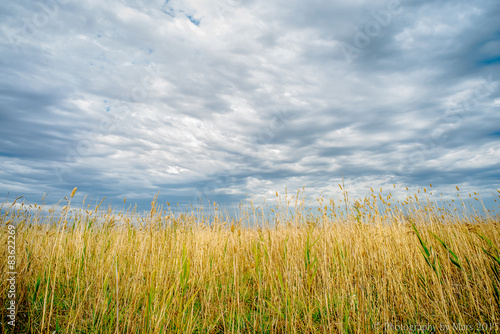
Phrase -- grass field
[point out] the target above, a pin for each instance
(374, 265)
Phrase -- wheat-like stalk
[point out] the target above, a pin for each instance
(361, 268)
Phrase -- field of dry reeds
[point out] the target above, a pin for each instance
(375, 265)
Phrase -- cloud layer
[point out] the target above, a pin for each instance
(230, 98)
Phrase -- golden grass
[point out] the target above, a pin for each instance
(380, 265)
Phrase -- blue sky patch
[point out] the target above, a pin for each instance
(193, 20)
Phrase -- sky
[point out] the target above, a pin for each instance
(226, 100)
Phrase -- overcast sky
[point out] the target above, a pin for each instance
(234, 98)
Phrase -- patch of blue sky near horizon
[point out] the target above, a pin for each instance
(128, 99)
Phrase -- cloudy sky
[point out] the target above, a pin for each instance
(227, 99)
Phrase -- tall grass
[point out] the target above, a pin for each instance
(373, 266)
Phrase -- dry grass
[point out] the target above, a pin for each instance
(382, 264)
